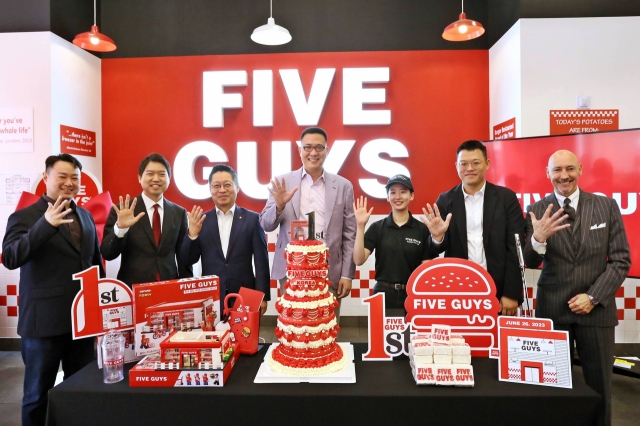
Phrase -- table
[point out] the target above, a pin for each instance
(384, 394)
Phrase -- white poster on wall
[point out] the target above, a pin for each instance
(12, 186)
(16, 129)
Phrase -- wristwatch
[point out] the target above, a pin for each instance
(593, 300)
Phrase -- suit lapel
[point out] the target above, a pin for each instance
(330, 197)
(565, 234)
(295, 179)
(145, 221)
(585, 211)
(214, 233)
(239, 220)
(86, 230)
(168, 221)
(458, 210)
(488, 210)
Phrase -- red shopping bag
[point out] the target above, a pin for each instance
(244, 323)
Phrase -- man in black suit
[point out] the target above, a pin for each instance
(50, 241)
(481, 221)
(148, 246)
(228, 238)
(586, 259)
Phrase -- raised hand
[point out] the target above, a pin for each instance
(280, 194)
(196, 217)
(125, 211)
(548, 225)
(360, 210)
(56, 213)
(434, 221)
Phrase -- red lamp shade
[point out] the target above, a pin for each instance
(463, 29)
(94, 40)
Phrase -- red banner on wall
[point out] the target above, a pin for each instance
(505, 130)
(568, 121)
(77, 141)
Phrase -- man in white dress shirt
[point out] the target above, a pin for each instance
(480, 221)
(148, 245)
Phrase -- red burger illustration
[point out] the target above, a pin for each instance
(455, 292)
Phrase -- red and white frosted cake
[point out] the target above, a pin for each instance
(307, 327)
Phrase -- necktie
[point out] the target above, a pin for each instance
(157, 231)
(569, 210)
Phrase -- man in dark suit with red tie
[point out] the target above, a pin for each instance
(585, 259)
(50, 241)
(148, 245)
(228, 239)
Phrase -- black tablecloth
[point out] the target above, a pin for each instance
(384, 394)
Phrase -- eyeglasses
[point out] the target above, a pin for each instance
(463, 165)
(318, 148)
(217, 187)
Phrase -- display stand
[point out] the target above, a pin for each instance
(346, 375)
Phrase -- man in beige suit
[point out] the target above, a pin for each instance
(586, 259)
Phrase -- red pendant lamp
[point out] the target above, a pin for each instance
(463, 29)
(94, 40)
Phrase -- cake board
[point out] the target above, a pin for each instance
(346, 375)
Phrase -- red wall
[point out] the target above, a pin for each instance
(437, 100)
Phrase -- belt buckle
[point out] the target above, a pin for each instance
(397, 286)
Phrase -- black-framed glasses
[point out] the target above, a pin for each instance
(318, 148)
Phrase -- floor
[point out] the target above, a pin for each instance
(626, 390)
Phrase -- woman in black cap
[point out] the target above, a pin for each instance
(399, 241)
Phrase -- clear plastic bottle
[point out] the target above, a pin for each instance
(113, 355)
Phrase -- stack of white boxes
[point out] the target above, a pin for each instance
(440, 358)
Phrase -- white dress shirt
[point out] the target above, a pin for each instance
(225, 221)
(312, 199)
(541, 248)
(148, 204)
(474, 207)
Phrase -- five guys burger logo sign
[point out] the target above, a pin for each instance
(451, 291)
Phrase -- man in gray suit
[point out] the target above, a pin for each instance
(329, 196)
(586, 259)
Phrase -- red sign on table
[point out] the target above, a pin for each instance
(563, 122)
(505, 130)
(77, 141)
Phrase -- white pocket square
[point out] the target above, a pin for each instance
(602, 225)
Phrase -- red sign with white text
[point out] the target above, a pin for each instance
(568, 121)
(76, 141)
(609, 167)
(505, 130)
(455, 292)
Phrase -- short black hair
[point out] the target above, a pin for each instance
(315, 131)
(472, 145)
(224, 168)
(156, 158)
(68, 158)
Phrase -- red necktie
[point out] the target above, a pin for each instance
(157, 231)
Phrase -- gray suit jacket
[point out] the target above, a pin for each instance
(598, 268)
(340, 227)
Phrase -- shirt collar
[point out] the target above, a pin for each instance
(573, 197)
(388, 221)
(305, 174)
(232, 210)
(148, 202)
(481, 191)
(72, 204)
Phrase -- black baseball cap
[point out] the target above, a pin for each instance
(401, 179)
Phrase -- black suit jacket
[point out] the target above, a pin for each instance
(47, 260)
(141, 259)
(247, 242)
(598, 268)
(501, 218)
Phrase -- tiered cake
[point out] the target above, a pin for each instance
(307, 328)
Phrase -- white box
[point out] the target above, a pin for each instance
(445, 375)
(456, 339)
(422, 348)
(464, 375)
(461, 359)
(442, 359)
(463, 349)
(442, 350)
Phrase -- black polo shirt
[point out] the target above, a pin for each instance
(399, 249)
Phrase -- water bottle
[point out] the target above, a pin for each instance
(112, 355)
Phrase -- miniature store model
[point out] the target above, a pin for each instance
(195, 349)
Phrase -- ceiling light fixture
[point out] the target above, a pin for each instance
(94, 40)
(271, 34)
(463, 29)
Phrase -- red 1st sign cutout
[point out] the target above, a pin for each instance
(455, 292)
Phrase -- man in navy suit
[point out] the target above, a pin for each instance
(227, 239)
(50, 241)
